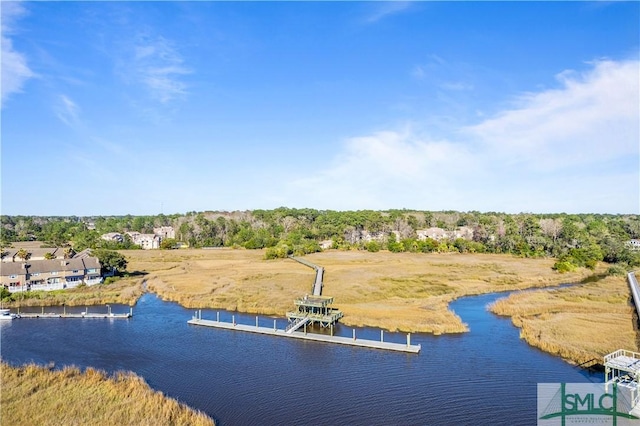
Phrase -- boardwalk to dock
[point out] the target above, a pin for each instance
(317, 284)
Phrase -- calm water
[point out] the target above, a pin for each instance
(487, 376)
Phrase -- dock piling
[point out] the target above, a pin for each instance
(218, 316)
(354, 334)
(233, 319)
(274, 326)
(256, 321)
(382, 335)
(408, 339)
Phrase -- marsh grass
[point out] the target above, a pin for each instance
(578, 323)
(125, 291)
(394, 291)
(35, 395)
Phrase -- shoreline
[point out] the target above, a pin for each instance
(393, 292)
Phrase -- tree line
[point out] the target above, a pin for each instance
(575, 240)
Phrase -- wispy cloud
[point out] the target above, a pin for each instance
(592, 117)
(15, 70)
(385, 9)
(67, 111)
(159, 66)
(574, 149)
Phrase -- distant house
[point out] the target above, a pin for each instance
(440, 234)
(165, 232)
(633, 244)
(433, 233)
(326, 244)
(113, 236)
(49, 275)
(146, 241)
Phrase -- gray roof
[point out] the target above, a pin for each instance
(46, 266)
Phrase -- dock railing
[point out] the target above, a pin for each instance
(619, 353)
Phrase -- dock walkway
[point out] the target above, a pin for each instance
(90, 315)
(317, 284)
(85, 314)
(635, 291)
(350, 341)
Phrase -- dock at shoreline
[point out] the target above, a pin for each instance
(350, 341)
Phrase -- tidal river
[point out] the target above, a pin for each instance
(487, 376)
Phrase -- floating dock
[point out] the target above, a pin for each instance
(85, 314)
(351, 341)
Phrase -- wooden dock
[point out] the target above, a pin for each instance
(85, 314)
(351, 341)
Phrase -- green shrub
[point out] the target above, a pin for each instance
(617, 270)
(564, 266)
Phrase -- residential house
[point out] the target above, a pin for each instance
(165, 232)
(11, 254)
(146, 241)
(440, 234)
(55, 274)
(113, 236)
(433, 233)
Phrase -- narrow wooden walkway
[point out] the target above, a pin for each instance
(635, 291)
(317, 285)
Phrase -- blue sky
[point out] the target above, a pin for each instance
(149, 107)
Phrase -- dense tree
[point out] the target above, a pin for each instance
(111, 260)
(574, 240)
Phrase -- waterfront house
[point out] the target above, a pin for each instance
(54, 274)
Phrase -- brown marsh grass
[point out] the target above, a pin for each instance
(125, 291)
(34, 395)
(578, 323)
(394, 291)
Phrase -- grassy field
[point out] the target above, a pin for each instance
(577, 323)
(34, 395)
(395, 291)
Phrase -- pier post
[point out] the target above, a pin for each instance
(233, 320)
(42, 310)
(305, 328)
(382, 335)
(354, 334)
(332, 330)
(200, 314)
(274, 325)
(408, 339)
(130, 311)
(218, 316)
(64, 310)
(256, 321)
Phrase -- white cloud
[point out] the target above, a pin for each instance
(566, 149)
(67, 111)
(15, 70)
(592, 117)
(387, 8)
(159, 66)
